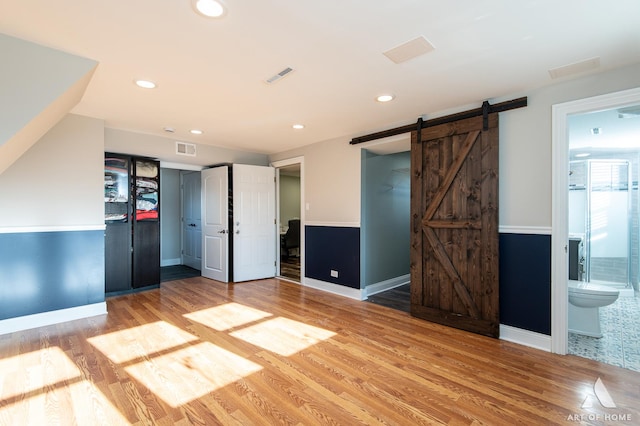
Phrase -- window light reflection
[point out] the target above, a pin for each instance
(142, 341)
(43, 369)
(283, 336)
(183, 375)
(227, 316)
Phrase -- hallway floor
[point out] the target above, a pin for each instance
(620, 344)
(398, 298)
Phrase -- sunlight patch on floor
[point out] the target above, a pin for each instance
(51, 385)
(44, 368)
(142, 341)
(227, 316)
(183, 375)
(283, 336)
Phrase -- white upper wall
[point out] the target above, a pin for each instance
(332, 168)
(526, 150)
(38, 87)
(332, 181)
(164, 149)
(59, 181)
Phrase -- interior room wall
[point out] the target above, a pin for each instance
(289, 198)
(525, 144)
(164, 148)
(59, 181)
(39, 86)
(170, 217)
(332, 181)
(385, 226)
(52, 228)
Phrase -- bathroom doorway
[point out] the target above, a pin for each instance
(604, 226)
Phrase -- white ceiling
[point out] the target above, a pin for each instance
(615, 132)
(210, 73)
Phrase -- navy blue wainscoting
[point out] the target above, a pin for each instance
(47, 271)
(333, 248)
(525, 282)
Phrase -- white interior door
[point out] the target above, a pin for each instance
(215, 231)
(254, 222)
(191, 222)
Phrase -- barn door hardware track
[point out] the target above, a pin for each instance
(483, 111)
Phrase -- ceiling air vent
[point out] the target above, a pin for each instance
(575, 68)
(183, 148)
(409, 50)
(278, 76)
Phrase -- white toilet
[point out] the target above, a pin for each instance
(585, 300)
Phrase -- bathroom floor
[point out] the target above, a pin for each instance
(620, 344)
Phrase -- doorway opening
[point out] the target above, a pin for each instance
(604, 231)
(180, 245)
(596, 207)
(385, 222)
(290, 218)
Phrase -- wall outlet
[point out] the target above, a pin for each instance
(334, 273)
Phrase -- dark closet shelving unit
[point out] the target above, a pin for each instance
(132, 218)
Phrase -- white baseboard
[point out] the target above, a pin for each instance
(525, 337)
(171, 262)
(53, 317)
(353, 293)
(385, 285)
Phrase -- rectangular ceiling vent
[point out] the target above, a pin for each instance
(409, 50)
(278, 76)
(575, 68)
(183, 148)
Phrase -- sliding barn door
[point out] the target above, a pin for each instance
(454, 215)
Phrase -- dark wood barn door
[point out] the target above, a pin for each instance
(454, 215)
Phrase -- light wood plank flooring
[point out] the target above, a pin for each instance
(196, 351)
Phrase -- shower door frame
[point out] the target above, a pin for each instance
(588, 217)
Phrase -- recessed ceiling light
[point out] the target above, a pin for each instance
(209, 8)
(385, 98)
(584, 154)
(196, 132)
(169, 129)
(145, 84)
(298, 126)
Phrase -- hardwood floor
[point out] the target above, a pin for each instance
(177, 272)
(398, 298)
(290, 267)
(197, 351)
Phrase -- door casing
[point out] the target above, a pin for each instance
(560, 203)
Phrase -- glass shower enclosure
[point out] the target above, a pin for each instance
(600, 214)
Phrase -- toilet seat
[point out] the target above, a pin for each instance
(582, 288)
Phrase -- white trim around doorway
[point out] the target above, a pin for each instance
(560, 203)
(284, 163)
